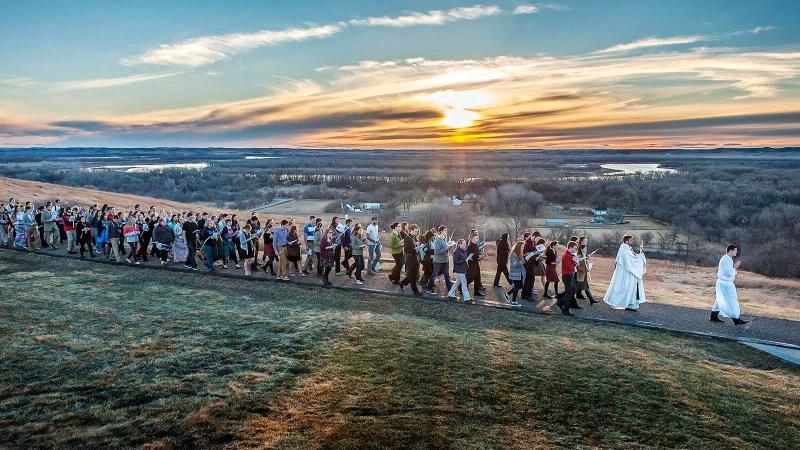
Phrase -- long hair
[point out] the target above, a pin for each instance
(518, 249)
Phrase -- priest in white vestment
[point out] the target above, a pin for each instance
(626, 289)
(727, 302)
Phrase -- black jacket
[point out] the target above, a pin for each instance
(190, 228)
(162, 234)
(503, 249)
(410, 245)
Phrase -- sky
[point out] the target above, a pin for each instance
(400, 74)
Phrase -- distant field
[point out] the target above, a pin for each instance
(39, 192)
(94, 357)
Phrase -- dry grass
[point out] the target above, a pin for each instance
(97, 358)
(40, 192)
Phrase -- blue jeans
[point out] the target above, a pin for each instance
(440, 269)
(208, 252)
(374, 257)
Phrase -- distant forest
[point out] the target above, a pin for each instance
(755, 204)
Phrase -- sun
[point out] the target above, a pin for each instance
(458, 107)
(459, 118)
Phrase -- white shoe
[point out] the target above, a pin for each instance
(359, 282)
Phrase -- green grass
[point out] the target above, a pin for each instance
(95, 355)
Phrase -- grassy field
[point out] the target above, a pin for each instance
(92, 356)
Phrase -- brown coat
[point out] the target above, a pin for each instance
(582, 270)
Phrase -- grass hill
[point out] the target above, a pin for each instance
(95, 357)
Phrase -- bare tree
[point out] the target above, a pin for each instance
(516, 203)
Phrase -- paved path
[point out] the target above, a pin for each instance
(765, 330)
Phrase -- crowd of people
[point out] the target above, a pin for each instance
(286, 249)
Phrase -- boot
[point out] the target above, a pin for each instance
(715, 317)
(738, 321)
(592, 301)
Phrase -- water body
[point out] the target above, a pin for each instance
(155, 167)
(630, 169)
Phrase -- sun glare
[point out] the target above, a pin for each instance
(459, 118)
(457, 106)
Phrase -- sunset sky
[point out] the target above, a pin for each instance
(400, 74)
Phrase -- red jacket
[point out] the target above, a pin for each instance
(70, 220)
(567, 263)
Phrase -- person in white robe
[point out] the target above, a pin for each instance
(626, 289)
(726, 303)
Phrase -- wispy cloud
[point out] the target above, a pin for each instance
(679, 40)
(655, 42)
(210, 49)
(401, 103)
(20, 82)
(526, 9)
(109, 82)
(434, 17)
(205, 50)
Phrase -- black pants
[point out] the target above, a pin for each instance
(191, 258)
(337, 256)
(555, 288)
(398, 265)
(143, 248)
(271, 259)
(163, 254)
(348, 253)
(357, 267)
(573, 303)
(326, 273)
(427, 270)
(474, 276)
(516, 285)
(319, 268)
(566, 298)
(527, 286)
(412, 272)
(87, 243)
(502, 269)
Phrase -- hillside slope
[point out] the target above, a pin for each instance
(173, 360)
(39, 192)
(665, 282)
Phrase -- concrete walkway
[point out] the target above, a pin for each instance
(760, 330)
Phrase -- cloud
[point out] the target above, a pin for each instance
(205, 50)
(757, 30)
(435, 17)
(655, 42)
(619, 99)
(109, 82)
(679, 40)
(20, 82)
(526, 9)
(210, 49)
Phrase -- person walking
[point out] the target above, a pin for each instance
(113, 231)
(460, 271)
(515, 273)
(396, 248)
(373, 246)
(503, 251)
(411, 249)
